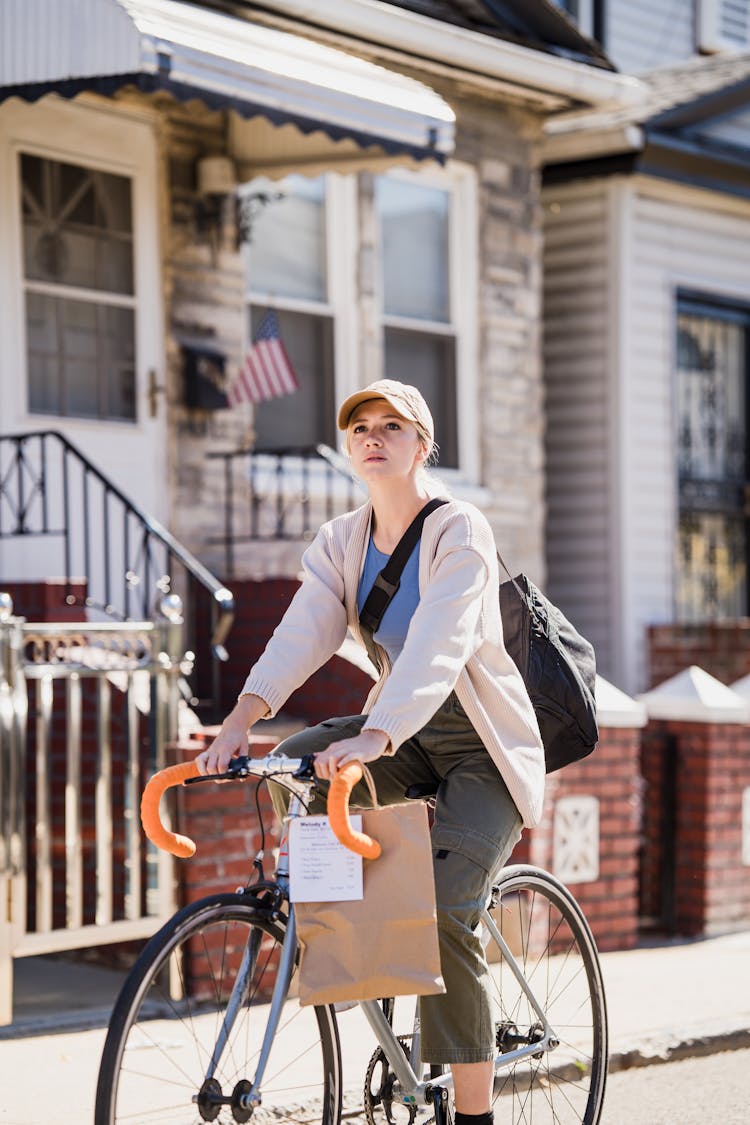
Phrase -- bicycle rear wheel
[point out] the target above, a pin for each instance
(553, 945)
(156, 1061)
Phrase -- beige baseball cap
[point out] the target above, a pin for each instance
(406, 400)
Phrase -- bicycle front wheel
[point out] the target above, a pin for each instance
(553, 946)
(161, 1062)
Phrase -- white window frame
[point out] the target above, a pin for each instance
(459, 180)
(341, 227)
(96, 297)
(91, 138)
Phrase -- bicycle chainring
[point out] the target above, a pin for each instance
(380, 1108)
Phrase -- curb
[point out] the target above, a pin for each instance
(670, 1048)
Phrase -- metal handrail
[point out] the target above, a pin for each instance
(283, 494)
(26, 493)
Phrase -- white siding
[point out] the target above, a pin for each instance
(683, 242)
(577, 310)
(641, 35)
(734, 22)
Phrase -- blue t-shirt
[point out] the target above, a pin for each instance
(394, 625)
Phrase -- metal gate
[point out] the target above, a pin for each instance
(86, 714)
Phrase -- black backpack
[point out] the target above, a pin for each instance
(557, 664)
(558, 667)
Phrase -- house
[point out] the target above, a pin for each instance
(646, 322)
(384, 159)
(170, 172)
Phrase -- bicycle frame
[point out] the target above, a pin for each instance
(415, 1091)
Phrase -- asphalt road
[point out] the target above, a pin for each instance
(712, 1090)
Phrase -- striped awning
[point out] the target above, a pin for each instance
(68, 46)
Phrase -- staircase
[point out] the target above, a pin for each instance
(95, 681)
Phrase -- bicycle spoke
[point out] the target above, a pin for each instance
(553, 946)
(157, 1061)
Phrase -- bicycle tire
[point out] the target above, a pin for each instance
(553, 945)
(155, 1055)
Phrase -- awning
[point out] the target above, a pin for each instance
(68, 46)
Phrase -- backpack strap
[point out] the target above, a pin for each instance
(503, 564)
(388, 581)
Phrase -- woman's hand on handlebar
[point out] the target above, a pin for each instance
(367, 746)
(232, 738)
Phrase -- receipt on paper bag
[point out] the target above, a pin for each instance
(320, 868)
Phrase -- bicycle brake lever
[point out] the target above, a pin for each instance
(237, 769)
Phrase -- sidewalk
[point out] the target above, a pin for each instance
(667, 1000)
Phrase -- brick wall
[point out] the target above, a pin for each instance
(48, 600)
(693, 880)
(720, 647)
(339, 688)
(611, 775)
(223, 820)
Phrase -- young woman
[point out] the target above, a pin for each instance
(450, 707)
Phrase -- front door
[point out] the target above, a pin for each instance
(81, 340)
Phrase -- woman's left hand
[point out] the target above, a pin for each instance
(365, 747)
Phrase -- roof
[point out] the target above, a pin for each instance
(691, 125)
(691, 91)
(189, 51)
(538, 24)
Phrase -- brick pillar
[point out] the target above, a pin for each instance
(697, 770)
(589, 835)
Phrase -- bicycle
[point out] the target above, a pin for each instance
(206, 1027)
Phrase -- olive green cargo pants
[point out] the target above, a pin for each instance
(476, 826)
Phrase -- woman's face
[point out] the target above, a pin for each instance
(381, 443)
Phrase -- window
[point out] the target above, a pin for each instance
(289, 266)
(302, 260)
(79, 290)
(723, 25)
(712, 433)
(420, 336)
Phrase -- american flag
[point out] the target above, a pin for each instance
(266, 371)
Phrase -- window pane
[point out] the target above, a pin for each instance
(77, 225)
(414, 247)
(428, 362)
(117, 360)
(711, 567)
(711, 398)
(287, 252)
(711, 578)
(307, 416)
(81, 359)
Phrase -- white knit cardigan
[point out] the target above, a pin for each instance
(454, 641)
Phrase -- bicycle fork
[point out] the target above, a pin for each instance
(251, 1096)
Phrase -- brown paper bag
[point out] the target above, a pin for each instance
(385, 944)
